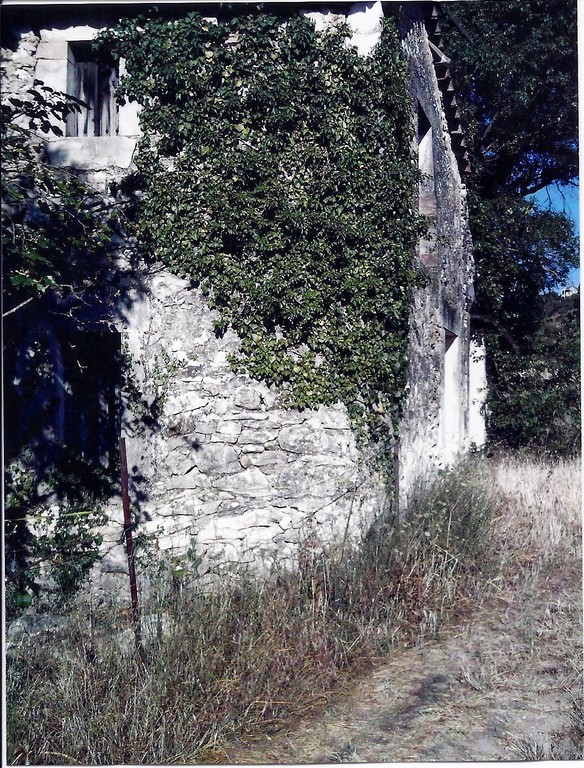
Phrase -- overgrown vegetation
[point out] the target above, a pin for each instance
(250, 651)
(522, 132)
(56, 230)
(276, 172)
(543, 387)
(60, 282)
(51, 532)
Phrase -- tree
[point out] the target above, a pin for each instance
(59, 279)
(56, 230)
(515, 71)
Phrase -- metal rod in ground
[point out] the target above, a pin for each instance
(129, 543)
(396, 481)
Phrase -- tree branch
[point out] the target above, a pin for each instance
(20, 306)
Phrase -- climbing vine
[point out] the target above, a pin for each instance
(275, 172)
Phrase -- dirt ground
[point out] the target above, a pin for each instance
(497, 685)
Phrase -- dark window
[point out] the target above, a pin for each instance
(95, 83)
(63, 394)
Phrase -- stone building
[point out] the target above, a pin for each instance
(228, 464)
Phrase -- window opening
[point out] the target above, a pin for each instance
(451, 403)
(65, 397)
(94, 82)
(426, 190)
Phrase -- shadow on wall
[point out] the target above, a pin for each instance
(63, 392)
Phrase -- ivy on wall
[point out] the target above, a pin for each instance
(276, 172)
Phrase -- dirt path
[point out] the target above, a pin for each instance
(495, 687)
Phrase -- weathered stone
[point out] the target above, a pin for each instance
(301, 477)
(216, 458)
(247, 397)
(266, 458)
(182, 424)
(194, 478)
(228, 430)
(184, 403)
(250, 482)
(30, 625)
(209, 508)
(306, 439)
(261, 435)
(205, 427)
(54, 50)
(288, 418)
(212, 387)
(248, 418)
(252, 448)
(91, 153)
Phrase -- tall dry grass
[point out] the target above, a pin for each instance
(252, 651)
(537, 533)
(539, 518)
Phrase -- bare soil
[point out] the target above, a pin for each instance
(496, 685)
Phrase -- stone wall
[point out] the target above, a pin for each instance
(226, 462)
(441, 418)
(215, 456)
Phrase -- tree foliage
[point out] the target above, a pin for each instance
(276, 172)
(544, 391)
(515, 73)
(58, 236)
(55, 228)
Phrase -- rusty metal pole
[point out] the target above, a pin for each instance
(396, 470)
(128, 536)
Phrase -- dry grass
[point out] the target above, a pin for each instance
(253, 652)
(538, 531)
(540, 517)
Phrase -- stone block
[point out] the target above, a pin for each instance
(212, 386)
(288, 418)
(89, 153)
(249, 482)
(184, 403)
(182, 424)
(334, 417)
(247, 397)
(216, 459)
(300, 439)
(206, 427)
(166, 285)
(209, 508)
(269, 458)
(53, 72)
(52, 50)
(192, 479)
(229, 429)
(248, 448)
(262, 434)
(300, 478)
(249, 417)
(70, 33)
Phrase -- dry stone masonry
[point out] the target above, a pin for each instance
(230, 464)
(223, 462)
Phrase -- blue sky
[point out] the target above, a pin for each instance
(564, 199)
